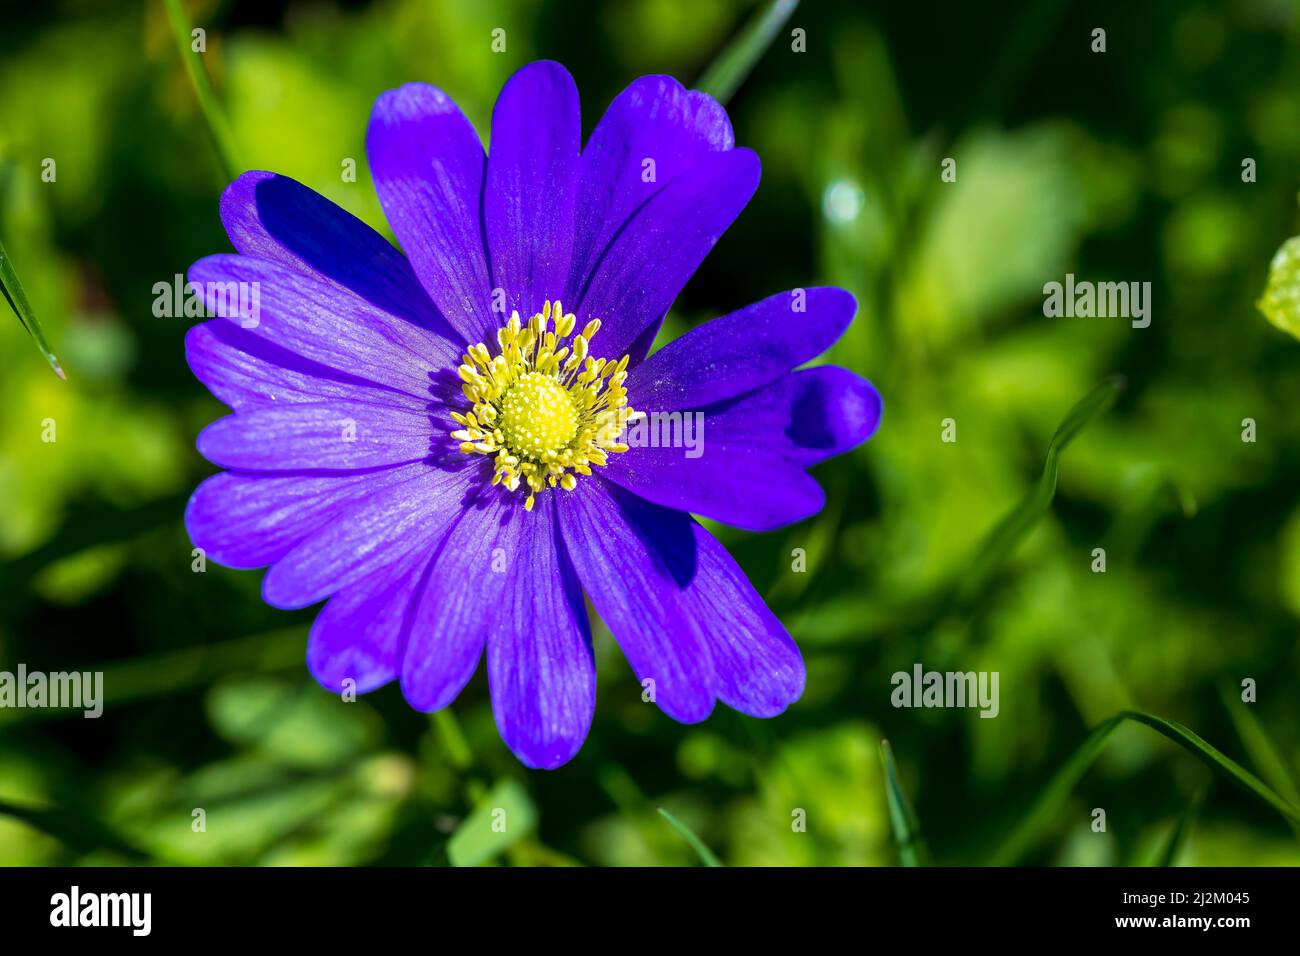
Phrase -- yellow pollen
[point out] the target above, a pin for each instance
(537, 417)
(542, 406)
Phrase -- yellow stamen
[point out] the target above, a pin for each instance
(545, 410)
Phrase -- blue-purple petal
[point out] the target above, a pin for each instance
(645, 266)
(428, 167)
(626, 558)
(322, 323)
(246, 371)
(655, 120)
(454, 613)
(318, 436)
(806, 416)
(277, 218)
(531, 186)
(540, 667)
(406, 517)
(501, 579)
(757, 669)
(359, 634)
(252, 520)
(741, 351)
(682, 594)
(459, 605)
(759, 490)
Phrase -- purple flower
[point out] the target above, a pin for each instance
(452, 458)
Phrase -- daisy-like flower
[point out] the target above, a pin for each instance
(444, 444)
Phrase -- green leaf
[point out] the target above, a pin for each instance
(1012, 184)
(707, 856)
(12, 290)
(730, 68)
(75, 830)
(1281, 299)
(1047, 808)
(907, 827)
(500, 820)
(218, 125)
(291, 724)
(1002, 540)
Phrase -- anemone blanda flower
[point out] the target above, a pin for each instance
(436, 446)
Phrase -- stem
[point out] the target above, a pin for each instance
(218, 126)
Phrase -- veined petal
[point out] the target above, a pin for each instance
(501, 579)
(531, 186)
(246, 520)
(456, 608)
(322, 323)
(244, 370)
(540, 665)
(757, 669)
(277, 218)
(645, 266)
(758, 491)
(682, 595)
(333, 435)
(360, 633)
(634, 568)
(428, 167)
(806, 416)
(653, 132)
(409, 516)
(743, 350)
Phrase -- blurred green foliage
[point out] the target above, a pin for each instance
(1122, 166)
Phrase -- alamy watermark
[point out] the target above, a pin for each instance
(922, 688)
(77, 690)
(133, 911)
(205, 300)
(683, 430)
(1102, 300)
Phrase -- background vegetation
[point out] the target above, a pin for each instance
(1123, 165)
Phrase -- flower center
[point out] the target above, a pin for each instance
(543, 407)
(537, 416)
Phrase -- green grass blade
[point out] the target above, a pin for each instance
(1046, 808)
(738, 58)
(1172, 849)
(912, 850)
(12, 290)
(1002, 540)
(1218, 762)
(218, 126)
(707, 856)
(1263, 754)
(454, 744)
